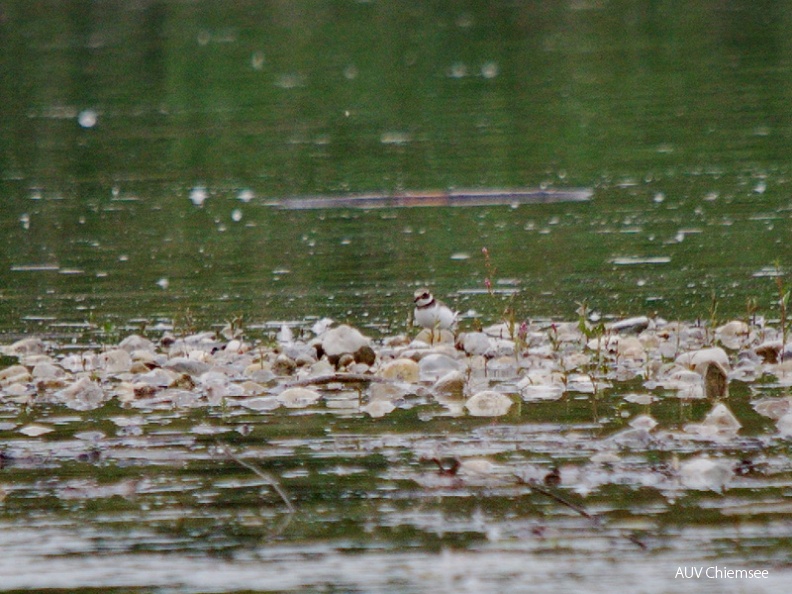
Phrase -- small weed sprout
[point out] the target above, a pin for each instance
(490, 271)
(709, 330)
(522, 336)
(678, 336)
(184, 324)
(586, 328)
(517, 332)
(552, 335)
(591, 332)
(234, 328)
(751, 307)
(783, 301)
(225, 410)
(110, 332)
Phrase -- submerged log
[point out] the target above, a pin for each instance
(473, 197)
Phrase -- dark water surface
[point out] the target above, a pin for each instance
(141, 144)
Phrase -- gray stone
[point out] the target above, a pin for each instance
(134, 342)
(189, 366)
(343, 339)
(450, 384)
(477, 343)
(434, 366)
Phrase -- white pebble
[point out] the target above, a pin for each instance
(35, 430)
(298, 397)
(704, 474)
(378, 408)
(488, 404)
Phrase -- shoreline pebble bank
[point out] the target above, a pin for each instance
(476, 373)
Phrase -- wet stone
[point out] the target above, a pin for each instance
(378, 408)
(298, 397)
(35, 430)
(704, 474)
(261, 403)
(699, 360)
(320, 368)
(451, 384)
(775, 408)
(33, 360)
(345, 360)
(477, 343)
(784, 425)
(26, 347)
(502, 368)
(405, 370)
(733, 334)
(14, 374)
(188, 366)
(251, 388)
(720, 423)
(358, 368)
(46, 371)
(82, 395)
(488, 404)
(158, 377)
(303, 354)
(134, 342)
(716, 382)
(634, 325)
(283, 365)
(342, 340)
(388, 391)
(435, 365)
(23, 393)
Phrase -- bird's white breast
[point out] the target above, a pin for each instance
(436, 316)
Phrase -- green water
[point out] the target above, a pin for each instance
(113, 112)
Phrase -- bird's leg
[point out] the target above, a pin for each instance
(436, 327)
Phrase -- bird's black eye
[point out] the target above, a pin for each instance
(424, 295)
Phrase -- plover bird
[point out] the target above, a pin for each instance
(431, 313)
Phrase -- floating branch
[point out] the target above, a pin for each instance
(555, 497)
(534, 486)
(472, 197)
(265, 476)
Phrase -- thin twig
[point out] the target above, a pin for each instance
(555, 497)
(534, 486)
(637, 542)
(265, 476)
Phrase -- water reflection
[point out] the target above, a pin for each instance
(162, 425)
